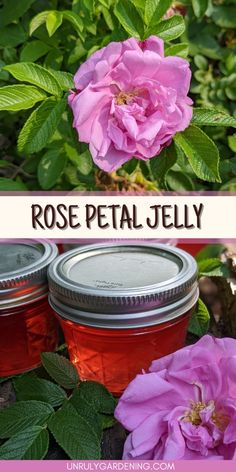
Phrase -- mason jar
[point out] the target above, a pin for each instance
(27, 324)
(121, 306)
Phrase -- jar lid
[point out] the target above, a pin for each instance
(121, 278)
(23, 270)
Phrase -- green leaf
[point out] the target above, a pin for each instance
(19, 97)
(36, 75)
(199, 321)
(29, 444)
(53, 21)
(37, 21)
(74, 19)
(179, 182)
(74, 434)
(212, 268)
(97, 396)
(168, 29)
(161, 164)
(64, 79)
(60, 369)
(200, 7)
(212, 117)
(23, 414)
(33, 50)
(31, 387)
(13, 10)
(11, 185)
(177, 50)
(210, 251)
(224, 16)
(83, 162)
(40, 126)
(202, 153)
(154, 10)
(50, 168)
(85, 410)
(12, 36)
(232, 141)
(129, 18)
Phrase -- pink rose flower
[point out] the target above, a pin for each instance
(130, 101)
(185, 407)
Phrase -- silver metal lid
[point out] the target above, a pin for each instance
(121, 278)
(23, 271)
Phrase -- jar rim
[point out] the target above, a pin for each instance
(128, 320)
(68, 284)
(28, 281)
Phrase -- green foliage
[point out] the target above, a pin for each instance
(212, 267)
(199, 321)
(74, 415)
(22, 415)
(42, 44)
(201, 152)
(60, 369)
(31, 387)
(31, 443)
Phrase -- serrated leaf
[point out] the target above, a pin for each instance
(50, 168)
(180, 50)
(53, 21)
(23, 414)
(13, 10)
(60, 369)
(11, 185)
(74, 19)
(83, 161)
(85, 409)
(19, 97)
(201, 152)
(155, 10)
(212, 117)
(161, 164)
(38, 20)
(40, 126)
(199, 321)
(168, 29)
(212, 268)
(29, 444)
(36, 75)
(129, 18)
(64, 79)
(33, 50)
(98, 396)
(200, 7)
(31, 387)
(74, 434)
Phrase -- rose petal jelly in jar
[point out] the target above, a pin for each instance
(122, 306)
(27, 323)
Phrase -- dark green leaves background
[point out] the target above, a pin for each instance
(42, 45)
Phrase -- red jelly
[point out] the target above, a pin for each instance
(27, 324)
(122, 306)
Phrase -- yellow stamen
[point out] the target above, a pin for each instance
(123, 98)
(192, 415)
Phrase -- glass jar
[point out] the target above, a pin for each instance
(121, 306)
(27, 324)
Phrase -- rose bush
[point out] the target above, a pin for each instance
(185, 406)
(130, 101)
